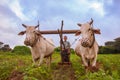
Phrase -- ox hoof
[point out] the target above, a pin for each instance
(86, 67)
(39, 65)
(35, 65)
(95, 68)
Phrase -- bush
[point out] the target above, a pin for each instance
(107, 49)
(57, 49)
(72, 51)
(21, 50)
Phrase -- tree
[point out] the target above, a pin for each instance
(117, 44)
(21, 50)
(111, 46)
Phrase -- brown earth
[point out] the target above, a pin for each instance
(16, 75)
(64, 72)
(94, 69)
(61, 72)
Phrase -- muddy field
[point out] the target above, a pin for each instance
(20, 67)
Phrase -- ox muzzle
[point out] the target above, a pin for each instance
(85, 42)
(27, 43)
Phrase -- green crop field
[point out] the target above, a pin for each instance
(19, 67)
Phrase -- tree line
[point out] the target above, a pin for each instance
(110, 47)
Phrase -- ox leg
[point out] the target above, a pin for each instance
(94, 62)
(95, 58)
(41, 59)
(94, 67)
(48, 61)
(84, 61)
(34, 63)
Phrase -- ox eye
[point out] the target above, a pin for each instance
(89, 29)
(91, 34)
(33, 31)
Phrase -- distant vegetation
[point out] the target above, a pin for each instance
(57, 49)
(110, 47)
(4, 47)
(21, 50)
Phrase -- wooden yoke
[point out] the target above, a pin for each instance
(56, 32)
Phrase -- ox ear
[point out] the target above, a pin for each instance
(22, 33)
(24, 25)
(79, 24)
(77, 33)
(96, 31)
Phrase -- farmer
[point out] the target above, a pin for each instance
(66, 50)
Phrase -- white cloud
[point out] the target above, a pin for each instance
(3, 2)
(17, 9)
(7, 24)
(9, 30)
(83, 7)
(32, 14)
(98, 7)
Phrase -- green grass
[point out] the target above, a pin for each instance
(11, 64)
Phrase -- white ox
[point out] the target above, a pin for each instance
(40, 46)
(87, 47)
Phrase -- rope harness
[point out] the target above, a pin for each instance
(91, 43)
(93, 38)
(74, 41)
(37, 38)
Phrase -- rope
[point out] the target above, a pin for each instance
(93, 38)
(75, 41)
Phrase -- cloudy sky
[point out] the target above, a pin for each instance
(50, 13)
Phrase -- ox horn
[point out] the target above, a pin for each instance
(37, 25)
(79, 24)
(91, 21)
(24, 25)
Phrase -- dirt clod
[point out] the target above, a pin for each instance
(16, 75)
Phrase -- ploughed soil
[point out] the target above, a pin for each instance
(60, 72)
(16, 75)
(94, 69)
(64, 72)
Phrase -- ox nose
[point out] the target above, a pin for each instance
(85, 42)
(26, 42)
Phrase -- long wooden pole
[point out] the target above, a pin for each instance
(56, 32)
(61, 39)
